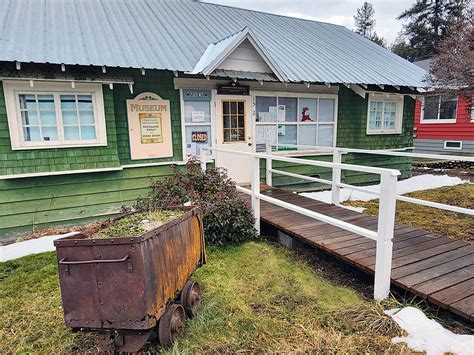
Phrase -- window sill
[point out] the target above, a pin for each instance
(383, 133)
(437, 121)
(60, 146)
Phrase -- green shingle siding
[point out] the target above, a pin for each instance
(160, 83)
(62, 159)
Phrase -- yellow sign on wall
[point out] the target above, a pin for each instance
(149, 123)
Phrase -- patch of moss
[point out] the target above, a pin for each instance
(137, 223)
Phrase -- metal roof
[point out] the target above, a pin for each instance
(174, 34)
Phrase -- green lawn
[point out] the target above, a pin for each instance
(451, 224)
(257, 297)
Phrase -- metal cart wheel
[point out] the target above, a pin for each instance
(170, 324)
(191, 297)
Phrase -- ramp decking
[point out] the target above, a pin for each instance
(431, 266)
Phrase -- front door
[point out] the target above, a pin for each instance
(234, 132)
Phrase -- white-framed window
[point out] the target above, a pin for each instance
(54, 114)
(438, 109)
(454, 145)
(295, 119)
(385, 114)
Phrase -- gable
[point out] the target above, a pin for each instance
(245, 58)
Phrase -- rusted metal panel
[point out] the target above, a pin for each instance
(126, 283)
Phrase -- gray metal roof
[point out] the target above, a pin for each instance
(174, 34)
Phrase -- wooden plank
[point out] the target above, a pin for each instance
(453, 294)
(435, 271)
(421, 265)
(424, 251)
(464, 307)
(426, 288)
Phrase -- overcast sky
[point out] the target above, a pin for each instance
(340, 12)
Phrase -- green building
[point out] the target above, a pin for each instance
(99, 97)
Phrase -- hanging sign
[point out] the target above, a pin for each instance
(233, 89)
(149, 124)
(200, 137)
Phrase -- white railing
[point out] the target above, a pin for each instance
(386, 217)
(336, 183)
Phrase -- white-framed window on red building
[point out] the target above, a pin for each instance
(438, 109)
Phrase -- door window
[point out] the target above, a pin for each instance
(233, 119)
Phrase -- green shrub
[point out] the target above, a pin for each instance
(227, 218)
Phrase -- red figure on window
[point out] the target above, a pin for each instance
(305, 115)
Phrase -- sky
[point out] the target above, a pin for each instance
(340, 12)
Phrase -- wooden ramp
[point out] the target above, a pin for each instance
(433, 267)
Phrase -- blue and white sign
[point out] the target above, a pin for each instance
(197, 95)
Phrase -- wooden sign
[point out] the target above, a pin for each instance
(149, 124)
(200, 137)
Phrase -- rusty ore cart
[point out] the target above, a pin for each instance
(131, 289)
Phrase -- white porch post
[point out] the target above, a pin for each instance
(386, 224)
(255, 191)
(203, 158)
(336, 177)
(268, 175)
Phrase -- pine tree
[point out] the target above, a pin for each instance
(365, 23)
(364, 20)
(428, 24)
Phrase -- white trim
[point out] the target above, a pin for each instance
(437, 120)
(64, 172)
(13, 88)
(452, 148)
(144, 165)
(399, 101)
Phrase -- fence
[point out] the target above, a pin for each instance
(386, 217)
(336, 183)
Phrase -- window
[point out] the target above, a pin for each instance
(438, 109)
(53, 115)
(385, 114)
(197, 119)
(233, 119)
(455, 145)
(295, 120)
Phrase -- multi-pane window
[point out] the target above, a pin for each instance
(384, 115)
(294, 121)
(233, 119)
(54, 117)
(438, 108)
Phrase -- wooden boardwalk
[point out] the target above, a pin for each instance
(433, 267)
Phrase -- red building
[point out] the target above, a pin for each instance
(443, 125)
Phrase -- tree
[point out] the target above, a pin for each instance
(428, 24)
(364, 20)
(365, 23)
(452, 69)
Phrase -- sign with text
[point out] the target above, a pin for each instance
(233, 89)
(200, 137)
(149, 124)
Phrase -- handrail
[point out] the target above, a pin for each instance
(337, 184)
(386, 218)
(381, 152)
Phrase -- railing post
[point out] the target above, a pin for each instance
(268, 166)
(255, 191)
(203, 158)
(336, 177)
(386, 224)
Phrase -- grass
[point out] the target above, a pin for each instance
(257, 297)
(454, 225)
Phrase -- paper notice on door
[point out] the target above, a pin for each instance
(281, 115)
(197, 116)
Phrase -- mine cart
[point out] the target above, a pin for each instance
(128, 290)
